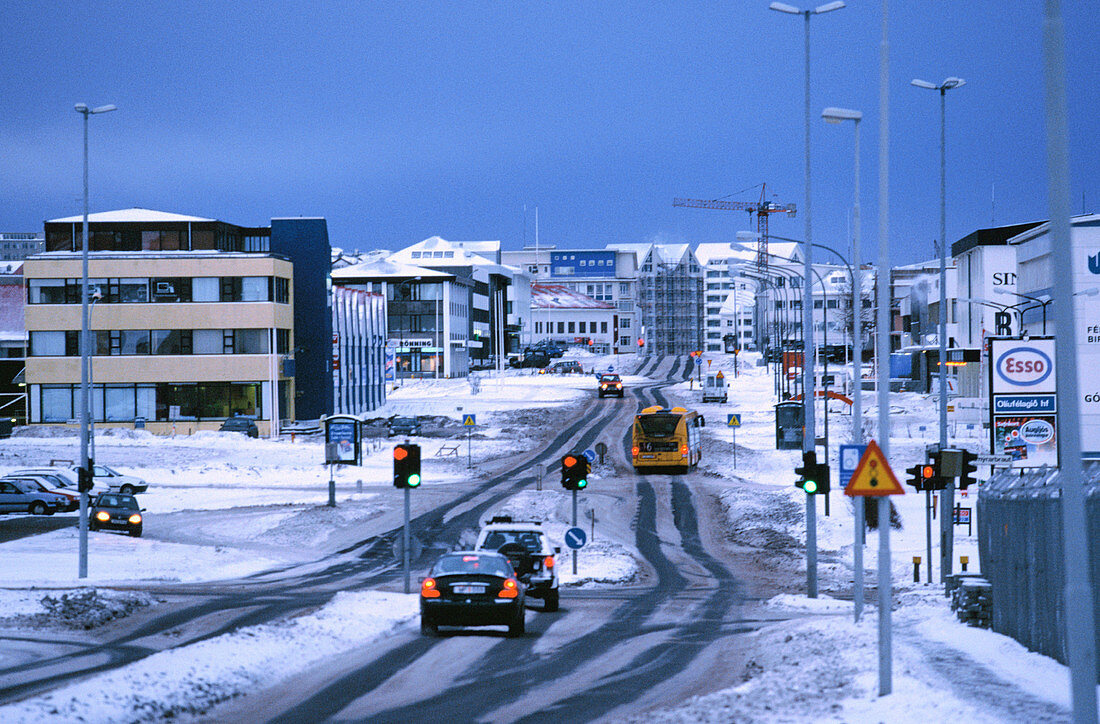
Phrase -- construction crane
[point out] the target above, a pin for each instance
(762, 208)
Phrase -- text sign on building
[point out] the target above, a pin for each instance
(1023, 406)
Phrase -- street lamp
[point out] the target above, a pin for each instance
(946, 525)
(1042, 301)
(85, 352)
(809, 438)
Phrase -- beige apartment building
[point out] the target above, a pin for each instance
(181, 339)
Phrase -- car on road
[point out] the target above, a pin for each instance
(403, 426)
(241, 424)
(116, 511)
(472, 588)
(116, 481)
(19, 495)
(610, 385)
(533, 557)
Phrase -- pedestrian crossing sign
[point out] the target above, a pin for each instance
(733, 420)
(469, 420)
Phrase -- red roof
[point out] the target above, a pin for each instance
(559, 296)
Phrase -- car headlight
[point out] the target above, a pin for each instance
(103, 516)
(134, 519)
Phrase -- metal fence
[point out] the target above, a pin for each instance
(1021, 549)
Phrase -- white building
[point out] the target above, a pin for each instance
(565, 316)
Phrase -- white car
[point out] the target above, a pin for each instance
(528, 547)
(62, 480)
(116, 481)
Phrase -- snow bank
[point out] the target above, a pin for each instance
(191, 679)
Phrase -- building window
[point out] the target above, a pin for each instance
(832, 304)
(572, 328)
(624, 341)
(48, 344)
(282, 290)
(57, 403)
(206, 289)
(603, 327)
(561, 327)
(582, 326)
(625, 323)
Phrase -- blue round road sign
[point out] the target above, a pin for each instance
(576, 538)
(590, 454)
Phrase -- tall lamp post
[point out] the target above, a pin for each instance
(946, 523)
(85, 355)
(1039, 301)
(809, 439)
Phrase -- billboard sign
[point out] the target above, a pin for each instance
(1023, 405)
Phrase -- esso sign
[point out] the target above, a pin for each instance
(1024, 366)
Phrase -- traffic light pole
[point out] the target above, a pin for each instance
(406, 546)
(331, 485)
(928, 529)
(574, 525)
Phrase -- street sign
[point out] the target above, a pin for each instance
(469, 420)
(590, 454)
(575, 538)
(985, 459)
(733, 420)
(849, 460)
(873, 476)
(719, 375)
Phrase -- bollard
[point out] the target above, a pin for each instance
(292, 434)
(916, 569)
(963, 560)
(359, 486)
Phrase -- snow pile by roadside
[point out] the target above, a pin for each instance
(191, 679)
(79, 608)
(601, 560)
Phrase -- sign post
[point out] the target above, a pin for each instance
(469, 422)
(874, 478)
(850, 456)
(343, 446)
(734, 422)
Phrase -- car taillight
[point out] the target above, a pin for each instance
(683, 451)
(510, 590)
(634, 451)
(103, 515)
(548, 561)
(428, 589)
(134, 519)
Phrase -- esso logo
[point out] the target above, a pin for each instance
(1036, 432)
(1024, 366)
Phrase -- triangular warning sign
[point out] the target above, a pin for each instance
(720, 376)
(873, 476)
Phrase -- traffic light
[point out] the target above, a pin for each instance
(574, 472)
(406, 466)
(930, 477)
(821, 477)
(916, 477)
(84, 479)
(968, 467)
(807, 474)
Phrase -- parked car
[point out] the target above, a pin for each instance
(565, 367)
(241, 424)
(50, 484)
(116, 511)
(63, 480)
(116, 481)
(18, 495)
(404, 426)
(535, 358)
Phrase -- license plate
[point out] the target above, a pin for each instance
(469, 589)
(648, 457)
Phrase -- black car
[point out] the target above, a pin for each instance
(244, 425)
(403, 426)
(535, 358)
(116, 511)
(610, 384)
(472, 588)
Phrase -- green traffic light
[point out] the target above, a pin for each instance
(810, 486)
(582, 483)
(414, 480)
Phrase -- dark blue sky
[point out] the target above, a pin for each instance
(397, 121)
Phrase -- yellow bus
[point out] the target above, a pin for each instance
(666, 438)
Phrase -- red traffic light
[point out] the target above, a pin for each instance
(400, 453)
(569, 461)
(928, 471)
(641, 342)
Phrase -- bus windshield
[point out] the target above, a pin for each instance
(659, 425)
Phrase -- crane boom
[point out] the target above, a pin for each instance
(761, 208)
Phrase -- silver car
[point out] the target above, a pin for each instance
(61, 480)
(19, 495)
(116, 481)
